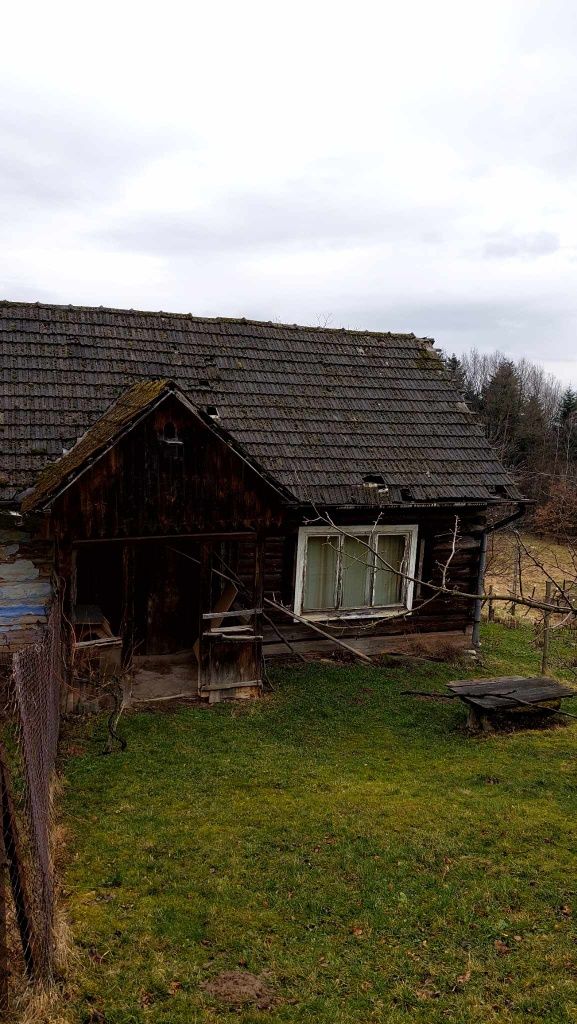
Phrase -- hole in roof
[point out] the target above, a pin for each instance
(212, 411)
(203, 382)
(501, 490)
(406, 493)
(373, 480)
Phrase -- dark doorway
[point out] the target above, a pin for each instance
(166, 597)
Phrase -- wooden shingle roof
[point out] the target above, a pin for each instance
(121, 414)
(319, 409)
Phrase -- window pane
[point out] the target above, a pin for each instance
(321, 573)
(388, 586)
(354, 571)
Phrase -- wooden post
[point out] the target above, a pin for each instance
(546, 628)
(258, 580)
(515, 588)
(259, 552)
(491, 606)
(204, 605)
(127, 615)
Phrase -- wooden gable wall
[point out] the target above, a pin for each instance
(169, 475)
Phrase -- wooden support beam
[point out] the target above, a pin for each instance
(127, 617)
(224, 535)
(258, 585)
(204, 588)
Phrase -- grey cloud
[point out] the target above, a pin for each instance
(522, 328)
(61, 157)
(508, 245)
(302, 215)
(24, 291)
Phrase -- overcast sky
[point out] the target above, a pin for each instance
(394, 166)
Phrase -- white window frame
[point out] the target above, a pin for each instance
(368, 611)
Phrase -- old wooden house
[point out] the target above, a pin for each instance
(203, 491)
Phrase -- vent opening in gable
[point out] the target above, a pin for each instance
(170, 434)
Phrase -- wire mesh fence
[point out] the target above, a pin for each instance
(554, 633)
(28, 750)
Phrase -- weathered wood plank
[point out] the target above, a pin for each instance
(506, 692)
(405, 644)
(503, 684)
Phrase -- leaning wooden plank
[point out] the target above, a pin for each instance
(317, 629)
(285, 642)
(113, 641)
(223, 604)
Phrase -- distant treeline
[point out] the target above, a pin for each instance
(531, 420)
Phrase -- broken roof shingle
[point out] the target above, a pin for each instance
(317, 408)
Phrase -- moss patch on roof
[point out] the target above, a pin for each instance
(120, 415)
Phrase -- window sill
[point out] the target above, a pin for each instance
(346, 616)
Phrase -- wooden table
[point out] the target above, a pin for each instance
(485, 698)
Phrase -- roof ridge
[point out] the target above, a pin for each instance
(317, 329)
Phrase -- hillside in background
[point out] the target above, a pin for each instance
(542, 558)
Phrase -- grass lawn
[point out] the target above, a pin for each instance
(353, 846)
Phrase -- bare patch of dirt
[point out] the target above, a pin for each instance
(240, 987)
(163, 675)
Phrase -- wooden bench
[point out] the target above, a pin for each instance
(486, 698)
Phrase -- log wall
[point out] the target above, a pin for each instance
(26, 565)
(442, 621)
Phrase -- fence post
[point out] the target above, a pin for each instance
(546, 628)
(3, 932)
(515, 589)
(491, 613)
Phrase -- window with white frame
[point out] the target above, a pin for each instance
(354, 570)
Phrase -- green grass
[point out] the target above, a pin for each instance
(356, 845)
